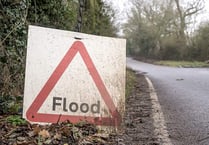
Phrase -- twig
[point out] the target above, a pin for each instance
(59, 118)
(10, 132)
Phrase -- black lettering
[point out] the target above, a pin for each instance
(84, 107)
(75, 108)
(54, 104)
(64, 105)
(95, 108)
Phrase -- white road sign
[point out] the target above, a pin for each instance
(74, 76)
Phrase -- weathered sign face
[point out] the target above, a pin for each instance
(71, 79)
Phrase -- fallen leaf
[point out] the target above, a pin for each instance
(36, 130)
(31, 133)
(21, 138)
(44, 133)
(66, 131)
(57, 136)
(48, 141)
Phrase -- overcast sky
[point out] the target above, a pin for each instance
(205, 15)
(122, 7)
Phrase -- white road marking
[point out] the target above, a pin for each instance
(158, 117)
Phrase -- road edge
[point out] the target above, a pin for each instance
(160, 130)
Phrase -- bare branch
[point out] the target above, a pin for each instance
(179, 8)
(194, 8)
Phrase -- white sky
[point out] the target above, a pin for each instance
(122, 7)
(205, 15)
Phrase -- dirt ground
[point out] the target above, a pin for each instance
(138, 123)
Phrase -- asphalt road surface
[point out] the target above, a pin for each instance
(183, 94)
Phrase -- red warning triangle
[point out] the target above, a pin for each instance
(77, 47)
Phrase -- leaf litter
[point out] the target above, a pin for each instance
(64, 133)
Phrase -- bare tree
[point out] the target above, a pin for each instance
(184, 13)
(158, 26)
(149, 22)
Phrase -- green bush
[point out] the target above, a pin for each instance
(170, 49)
(10, 104)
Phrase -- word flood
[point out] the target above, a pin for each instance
(74, 107)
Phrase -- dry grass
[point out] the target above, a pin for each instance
(190, 64)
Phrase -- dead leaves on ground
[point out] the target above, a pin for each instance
(64, 133)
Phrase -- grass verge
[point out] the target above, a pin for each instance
(190, 64)
(130, 80)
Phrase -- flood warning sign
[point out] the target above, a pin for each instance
(71, 79)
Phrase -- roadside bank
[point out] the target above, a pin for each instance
(138, 126)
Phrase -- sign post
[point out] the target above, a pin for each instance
(71, 79)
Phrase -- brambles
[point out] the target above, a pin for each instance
(16, 120)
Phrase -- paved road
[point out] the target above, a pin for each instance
(184, 97)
